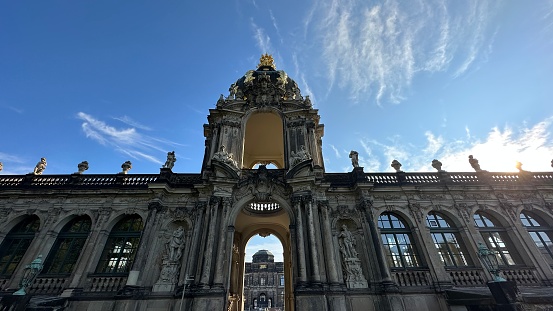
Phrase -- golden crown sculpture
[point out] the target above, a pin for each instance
(267, 60)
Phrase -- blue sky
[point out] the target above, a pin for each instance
(111, 81)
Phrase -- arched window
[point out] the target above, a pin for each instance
(69, 244)
(495, 237)
(540, 232)
(16, 243)
(397, 242)
(262, 297)
(446, 239)
(120, 249)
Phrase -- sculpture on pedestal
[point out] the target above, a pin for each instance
(474, 163)
(396, 165)
(353, 273)
(437, 165)
(83, 166)
(126, 167)
(1, 166)
(171, 159)
(354, 156)
(40, 167)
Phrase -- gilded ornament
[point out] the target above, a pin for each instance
(267, 60)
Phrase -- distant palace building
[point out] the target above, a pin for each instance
(264, 282)
(351, 241)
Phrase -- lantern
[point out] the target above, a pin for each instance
(30, 273)
(489, 259)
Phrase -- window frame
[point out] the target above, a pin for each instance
(22, 234)
(399, 231)
(443, 226)
(65, 234)
(125, 236)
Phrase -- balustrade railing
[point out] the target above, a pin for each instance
(467, 277)
(523, 276)
(412, 278)
(105, 283)
(49, 285)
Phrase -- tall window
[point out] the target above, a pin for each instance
(397, 242)
(446, 239)
(540, 232)
(69, 244)
(120, 249)
(495, 237)
(16, 243)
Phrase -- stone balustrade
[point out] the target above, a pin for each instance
(98, 284)
(412, 277)
(49, 285)
(467, 277)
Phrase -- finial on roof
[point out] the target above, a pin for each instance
(266, 60)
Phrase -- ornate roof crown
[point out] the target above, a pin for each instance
(266, 60)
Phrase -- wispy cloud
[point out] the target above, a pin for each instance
(14, 109)
(128, 141)
(336, 152)
(378, 48)
(263, 40)
(13, 164)
(129, 121)
(498, 151)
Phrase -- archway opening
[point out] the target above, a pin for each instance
(264, 277)
(264, 140)
(254, 221)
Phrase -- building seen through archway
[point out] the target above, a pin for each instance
(351, 241)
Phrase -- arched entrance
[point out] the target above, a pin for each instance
(260, 218)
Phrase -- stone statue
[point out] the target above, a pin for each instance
(2, 166)
(171, 159)
(232, 91)
(300, 156)
(307, 101)
(221, 101)
(396, 165)
(354, 156)
(83, 166)
(126, 167)
(347, 243)
(223, 156)
(40, 167)
(474, 163)
(437, 165)
(175, 245)
(551, 163)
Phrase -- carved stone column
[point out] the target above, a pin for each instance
(218, 279)
(386, 279)
(327, 232)
(192, 265)
(209, 249)
(145, 241)
(300, 244)
(316, 276)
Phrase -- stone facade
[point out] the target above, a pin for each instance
(264, 283)
(174, 241)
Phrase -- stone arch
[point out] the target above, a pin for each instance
(264, 139)
(246, 225)
(449, 215)
(62, 221)
(114, 219)
(17, 218)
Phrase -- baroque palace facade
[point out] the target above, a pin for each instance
(352, 241)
